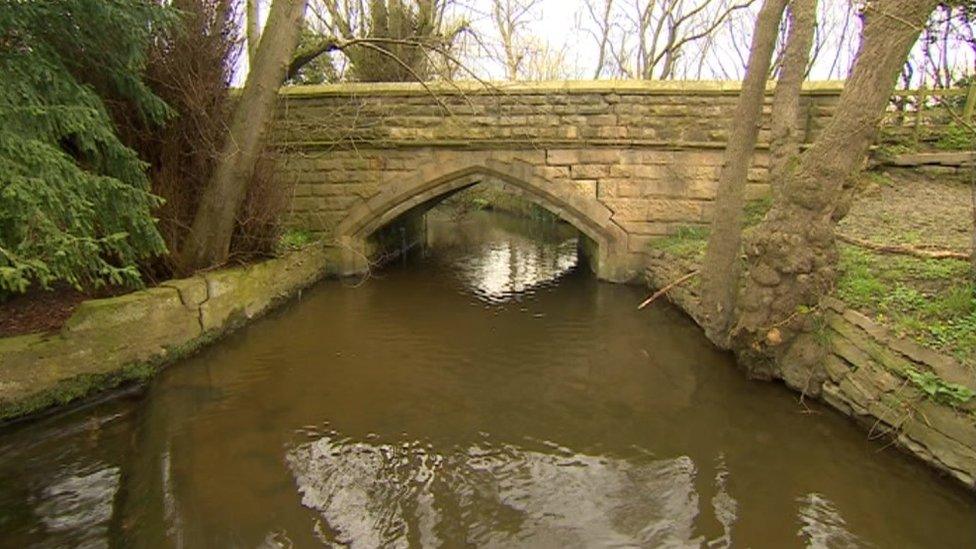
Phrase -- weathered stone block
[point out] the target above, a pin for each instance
(837, 368)
(582, 156)
(589, 171)
(647, 228)
(959, 459)
(192, 291)
(602, 120)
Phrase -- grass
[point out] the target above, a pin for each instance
(688, 241)
(955, 138)
(294, 239)
(876, 178)
(931, 301)
(928, 300)
(756, 210)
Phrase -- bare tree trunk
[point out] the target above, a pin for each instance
(792, 254)
(972, 195)
(213, 225)
(253, 30)
(509, 18)
(603, 38)
(784, 143)
(720, 269)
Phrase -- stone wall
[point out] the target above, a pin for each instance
(868, 368)
(628, 160)
(551, 114)
(110, 341)
(867, 378)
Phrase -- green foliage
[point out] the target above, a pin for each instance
(938, 389)
(890, 150)
(480, 203)
(498, 198)
(877, 178)
(756, 210)
(929, 300)
(295, 239)
(956, 138)
(75, 204)
(687, 241)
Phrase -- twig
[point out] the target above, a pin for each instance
(666, 289)
(903, 250)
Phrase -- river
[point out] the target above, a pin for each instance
(488, 392)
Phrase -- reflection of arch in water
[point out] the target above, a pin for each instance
(425, 188)
(509, 269)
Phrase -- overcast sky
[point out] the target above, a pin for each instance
(566, 29)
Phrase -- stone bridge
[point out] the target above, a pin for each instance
(624, 162)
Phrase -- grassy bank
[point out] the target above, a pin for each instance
(931, 301)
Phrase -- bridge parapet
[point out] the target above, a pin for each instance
(472, 115)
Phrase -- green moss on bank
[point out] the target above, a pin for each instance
(928, 300)
(77, 388)
(95, 353)
(84, 386)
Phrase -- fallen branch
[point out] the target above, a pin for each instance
(666, 289)
(903, 250)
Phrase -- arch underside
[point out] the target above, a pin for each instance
(428, 186)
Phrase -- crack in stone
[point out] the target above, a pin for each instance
(206, 285)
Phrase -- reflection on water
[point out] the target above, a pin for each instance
(500, 257)
(490, 393)
(76, 507)
(823, 526)
(372, 495)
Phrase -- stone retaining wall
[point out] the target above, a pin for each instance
(867, 378)
(110, 341)
(868, 368)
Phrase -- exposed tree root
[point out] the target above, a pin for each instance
(903, 250)
(666, 289)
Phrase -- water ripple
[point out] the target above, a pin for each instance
(393, 495)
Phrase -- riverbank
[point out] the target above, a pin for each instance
(113, 341)
(899, 330)
(494, 384)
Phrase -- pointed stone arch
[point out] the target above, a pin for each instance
(440, 179)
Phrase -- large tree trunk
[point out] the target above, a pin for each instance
(972, 196)
(720, 269)
(792, 255)
(784, 143)
(209, 239)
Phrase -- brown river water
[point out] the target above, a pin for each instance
(487, 392)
